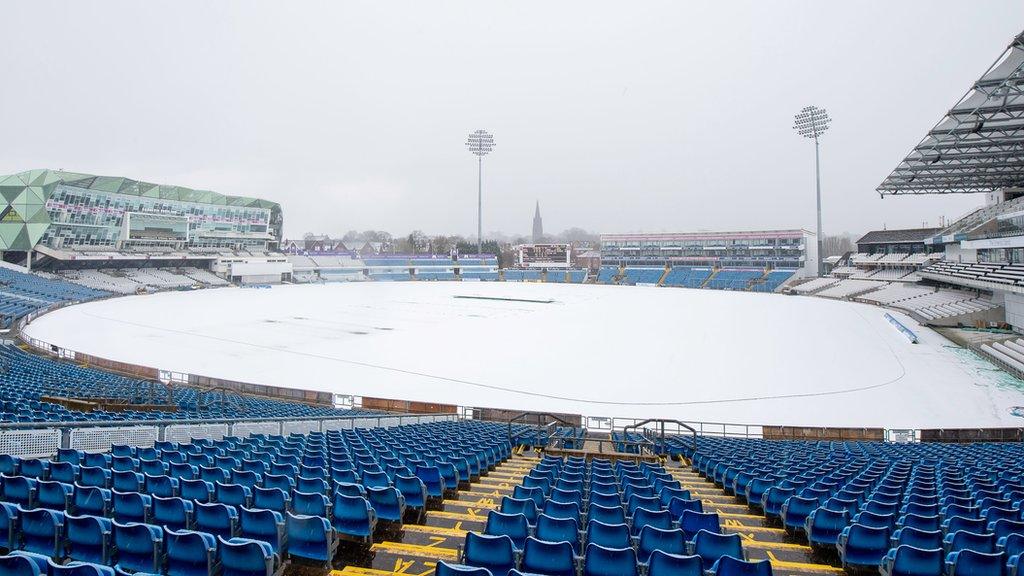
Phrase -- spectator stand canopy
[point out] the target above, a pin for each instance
(979, 145)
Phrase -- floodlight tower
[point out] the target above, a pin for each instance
(480, 143)
(812, 122)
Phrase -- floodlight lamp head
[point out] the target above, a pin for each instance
(480, 143)
(811, 122)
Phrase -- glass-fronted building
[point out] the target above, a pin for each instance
(66, 210)
(754, 249)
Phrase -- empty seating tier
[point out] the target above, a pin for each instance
(26, 379)
(924, 509)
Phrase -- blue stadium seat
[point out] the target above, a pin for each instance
(232, 494)
(387, 503)
(123, 480)
(90, 539)
(310, 504)
(658, 519)
(79, 569)
(964, 524)
(729, 566)
(910, 561)
(352, 517)
(862, 546)
(431, 478)
(529, 493)
(445, 569)
(199, 491)
(162, 485)
(244, 557)
(711, 546)
(414, 491)
(558, 530)
(191, 553)
(606, 514)
(924, 539)
(131, 507)
(795, 511)
(608, 535)
(692, 522)
(548, 558)
(172, 513)
(42, 532)
(65, 472)
(964, 540)
(140, 547)
(270, 499)
(973, 563)
(10, 519)
(515, 526)
(663, 563)
(672, 541)
(20, 490)
(217, 519)
(773, 499)
(495, 553)
(310, 538)
(264, 525)
(19, 563)
(516, 506)
(601, 561)
(823, 526)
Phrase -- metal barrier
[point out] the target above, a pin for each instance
(43, 439)
(677, 427)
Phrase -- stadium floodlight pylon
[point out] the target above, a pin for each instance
(480, 143)
(812, 122)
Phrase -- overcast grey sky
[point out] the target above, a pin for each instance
(616, 116)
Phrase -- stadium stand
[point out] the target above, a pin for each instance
(945, 304)
(491, 276)
(512, 275)
(642, 275)
(169, 509)
(729, 279)
(1005, 274)
(894, 293)
(25, 379)
(772, 281)
(687, 276)
(577, 276)
(22, 293)
(815, 285)
(607, 274)
(870, 502)
(849, 288)
(131, 280)
(886, 274)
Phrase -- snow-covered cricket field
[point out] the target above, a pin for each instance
(701, 355)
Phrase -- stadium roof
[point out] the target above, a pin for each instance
(978, 146)
(907, 236)
(120, 185)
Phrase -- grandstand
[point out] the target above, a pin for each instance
(687, 276)
(27, 381)
(22, 293)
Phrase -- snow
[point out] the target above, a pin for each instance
(641, 352)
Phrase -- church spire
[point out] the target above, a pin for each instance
(538, 225)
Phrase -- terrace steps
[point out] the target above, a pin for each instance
(416, 548)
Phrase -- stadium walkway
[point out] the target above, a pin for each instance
(415, 548)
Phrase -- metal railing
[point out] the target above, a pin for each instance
(677, 427)
(43, 439)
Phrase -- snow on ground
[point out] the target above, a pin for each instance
(695, 355)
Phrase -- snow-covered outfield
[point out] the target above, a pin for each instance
(696, 355)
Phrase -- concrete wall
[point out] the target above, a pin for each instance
(1014, 304)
